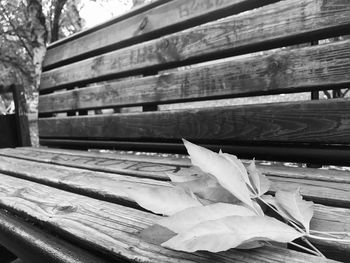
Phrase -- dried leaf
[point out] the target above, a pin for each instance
(230, 232)
(221, 169)
(163, 200)
(259, 181)
(299, 209)
(188, 218)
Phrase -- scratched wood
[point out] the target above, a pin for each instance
(174, 15)
(136, 164)
(291, 70)
(322, 122)
(113, 229)
(286, 22)
(19, 236)
(120, 188)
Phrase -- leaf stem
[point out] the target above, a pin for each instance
(329, 239)
(312, 246)
(304, 248)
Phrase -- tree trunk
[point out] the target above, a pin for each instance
(58, 7)
(38, 36)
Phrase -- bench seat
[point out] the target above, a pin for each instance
(82, 198)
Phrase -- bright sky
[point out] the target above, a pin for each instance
(97, 12)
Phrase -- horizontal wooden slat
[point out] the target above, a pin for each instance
(112, 228)
(162, 17)
(273, 72)
(141, 165)
(37, 246)
(319, 122)
(116, 187)
(340, 155)
(285, 22)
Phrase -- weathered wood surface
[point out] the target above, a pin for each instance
(111, 228)
(119, 188)
(131, 164)
(160, 19)
(322, 122)
(37, 246)
(272, 72)
(285, 22)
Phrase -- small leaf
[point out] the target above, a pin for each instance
(205, 187)
(272, 201)
(163, 200)
(185, 175)
(221, 169)
(301, 210)
(156, 234)
(188, 218)
(231, 232)
(260, 182)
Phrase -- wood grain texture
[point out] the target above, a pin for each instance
(286, 22)
(37, 246)
(321, 122)
(159, 20)
(104, 162)
(119, 188)
(111, 228)
(308, 68)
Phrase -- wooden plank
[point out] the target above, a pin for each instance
(174, 15)
(116, 187)
(37, 246)
(104, 162)
(111, 228)
(311, 154)
(322, 122)
(269, 73)
(126, 166)
(286, 22)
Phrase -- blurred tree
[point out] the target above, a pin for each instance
(26, 26)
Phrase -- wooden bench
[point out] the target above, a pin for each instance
(61, 203)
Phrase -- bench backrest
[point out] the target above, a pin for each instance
(176, 51)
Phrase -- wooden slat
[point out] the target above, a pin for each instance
(37, 246)
(311, 154)
(111, 228)
(272, 72)
(322, 122)
(136, 165)
(163, 17)
(286, 22)
(116, 187)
